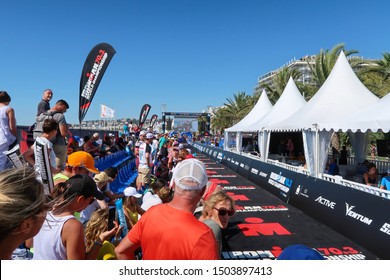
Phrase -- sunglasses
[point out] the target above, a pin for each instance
(223, 212)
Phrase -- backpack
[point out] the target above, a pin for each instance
(38, 130)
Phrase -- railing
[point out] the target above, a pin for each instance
(358, 186)
(337, 179)
(368, 189)
(298, 169)
(382, 165)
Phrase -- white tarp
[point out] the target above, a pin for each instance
(290, 101)
(341, 95)
(373, 118)
(262, 107)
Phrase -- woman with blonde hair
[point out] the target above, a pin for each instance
(23, 208)
(97, 224)
(217, 210)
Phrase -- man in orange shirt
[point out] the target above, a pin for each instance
(170, 231)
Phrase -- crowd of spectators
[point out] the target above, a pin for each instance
(64, 208)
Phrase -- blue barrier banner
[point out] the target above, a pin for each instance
(351, 212)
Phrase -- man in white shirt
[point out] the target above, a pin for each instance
(145, 163)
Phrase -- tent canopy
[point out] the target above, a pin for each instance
(262, 107)
(290, 101)
(373, 118)
(342, 94)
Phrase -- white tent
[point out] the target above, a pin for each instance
(341, 95)
(262, 107)
(290, 101)
(374, 118)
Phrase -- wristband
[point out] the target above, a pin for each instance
(97, 243)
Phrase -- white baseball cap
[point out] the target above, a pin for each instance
(130, 191)
(149, 136)
(190, 174)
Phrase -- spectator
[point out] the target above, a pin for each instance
(161, 170)
(8, 130)
(145, 164)
(34, 155)
(63, 230)
(110, 196)
(126, 130)
(385, 182)
(78, 163)
(44, 104)
(370, 177)
(332, 167)
(23, 208)
(130, 206)
(164, 150)
(344, 154)
(73, 145)
(121, 143)
(89, 147)
(101, 181)
(59, 142)
(217, 210)
(96, 226)
(290, 147)
(170, 231)
(152, 197)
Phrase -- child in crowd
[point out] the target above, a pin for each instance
(96, 226)
(63, 230)
(34, 155)
(130, 206)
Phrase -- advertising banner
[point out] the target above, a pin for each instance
(144, 114)
(94, 68)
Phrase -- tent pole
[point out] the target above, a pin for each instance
(316, 159)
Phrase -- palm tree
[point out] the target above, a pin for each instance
(325, 60)
(233, 111)
(383, 66)
(221, 119)
(239, 106)
(376, 75)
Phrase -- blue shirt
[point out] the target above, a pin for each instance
(386, 182)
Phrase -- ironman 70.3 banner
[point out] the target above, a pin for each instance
(94, 67)
(143, 114)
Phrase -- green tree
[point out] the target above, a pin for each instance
(376, 75)
(233, 110)
(238, 107)
(325, 60)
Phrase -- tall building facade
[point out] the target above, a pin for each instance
(302, 65)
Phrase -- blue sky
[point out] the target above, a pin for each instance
(187, 54)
